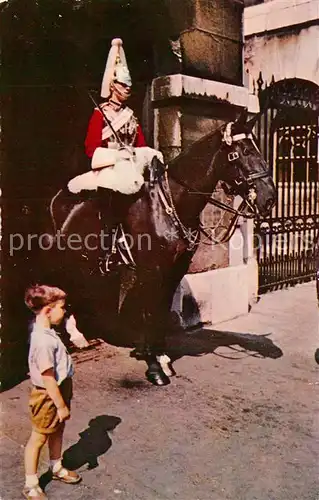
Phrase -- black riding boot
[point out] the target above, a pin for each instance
(110, 220)
(113, 209)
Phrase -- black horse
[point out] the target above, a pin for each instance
(163, 221)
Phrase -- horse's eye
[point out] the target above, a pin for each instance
(245, 151)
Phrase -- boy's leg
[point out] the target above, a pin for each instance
(55, 452)
(32, 452)
(31, 460)
(55, 443)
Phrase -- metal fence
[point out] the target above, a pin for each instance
(288, 137)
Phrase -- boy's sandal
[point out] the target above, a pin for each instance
(34, 493)
(67, 476)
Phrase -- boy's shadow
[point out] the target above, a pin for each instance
(94, 441)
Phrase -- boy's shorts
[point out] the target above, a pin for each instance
(44, 413)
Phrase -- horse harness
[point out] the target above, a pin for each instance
(248, 203)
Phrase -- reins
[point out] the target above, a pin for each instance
(192, 235)
(210, 200)
(248, 202)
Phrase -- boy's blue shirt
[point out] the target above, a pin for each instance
(48, 351)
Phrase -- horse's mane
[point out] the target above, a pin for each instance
(188, 151)
(195, 152)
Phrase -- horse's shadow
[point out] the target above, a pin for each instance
(207, 341)
(94, 442)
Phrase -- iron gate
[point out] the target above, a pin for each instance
(287, 131)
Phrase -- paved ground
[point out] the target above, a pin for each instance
(238, 422)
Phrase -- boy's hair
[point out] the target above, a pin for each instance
(38, 296)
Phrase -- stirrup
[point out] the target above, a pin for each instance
(107, 265)
(104, 265)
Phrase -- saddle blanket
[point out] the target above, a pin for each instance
(124, 172)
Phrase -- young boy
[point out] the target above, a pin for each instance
(51, 370)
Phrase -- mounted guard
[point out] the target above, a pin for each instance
(114, 134)
(169, 214)
(117, 150)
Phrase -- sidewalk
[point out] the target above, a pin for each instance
(238, 422)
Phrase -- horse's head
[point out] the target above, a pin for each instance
(243, 169)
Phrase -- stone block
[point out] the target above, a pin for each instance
(167, 131)
(215, 296)
(210, 37)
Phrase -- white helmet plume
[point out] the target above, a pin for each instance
(116, 68)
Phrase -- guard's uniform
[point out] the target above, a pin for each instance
(115, 145)
(123, 121)
(112, 126)
(121, 117)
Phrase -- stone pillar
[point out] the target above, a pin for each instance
(207, 93)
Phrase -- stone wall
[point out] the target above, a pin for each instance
(207, 92)
(288, 55)
(281, 40)
(186, 109)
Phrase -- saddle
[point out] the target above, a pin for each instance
(111, 208)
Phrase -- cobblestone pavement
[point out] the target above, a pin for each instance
(238, 422)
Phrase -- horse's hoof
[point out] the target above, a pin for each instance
(157, 378)
(166, 365)
(171, 369)
(317, 356)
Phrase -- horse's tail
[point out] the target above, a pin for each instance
(52, 212)
(70, 206)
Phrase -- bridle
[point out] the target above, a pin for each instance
(232, 157)
(246, 209)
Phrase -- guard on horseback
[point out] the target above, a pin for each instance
(116, 89)
(117, 150)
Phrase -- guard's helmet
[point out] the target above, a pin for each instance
(116, 69)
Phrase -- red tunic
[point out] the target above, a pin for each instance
(94, 134)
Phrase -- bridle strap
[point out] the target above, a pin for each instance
(210, 200)
(240, 137)
(253, 177)
(240, 212)
(230, 230)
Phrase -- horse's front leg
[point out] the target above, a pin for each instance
(170, 284)
(154, 332)
(166, 364)
(154, 348)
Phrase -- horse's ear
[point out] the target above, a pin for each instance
(252, 121)
(242, 119)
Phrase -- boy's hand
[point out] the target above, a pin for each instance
(63, 413)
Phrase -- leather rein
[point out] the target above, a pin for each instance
(192, 236)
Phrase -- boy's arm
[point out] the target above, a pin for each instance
(54, 392)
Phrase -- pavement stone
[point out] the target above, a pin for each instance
(239, 421)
